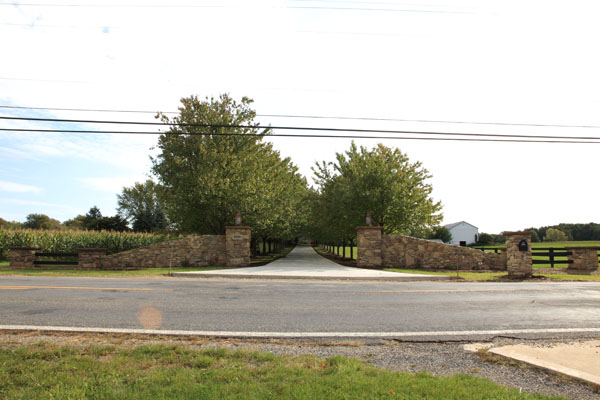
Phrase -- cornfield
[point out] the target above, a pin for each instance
(71, 240)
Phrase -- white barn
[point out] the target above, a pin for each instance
(463, 233)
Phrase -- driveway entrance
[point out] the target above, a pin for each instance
(305, 263)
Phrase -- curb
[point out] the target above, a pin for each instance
(312, 277)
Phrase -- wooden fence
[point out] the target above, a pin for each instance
(56, 258)
(551, 254)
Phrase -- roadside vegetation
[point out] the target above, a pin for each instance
(45, 370)
(4, 270)
(476, 276)
(68, 241)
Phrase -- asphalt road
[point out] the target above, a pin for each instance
(238, 306)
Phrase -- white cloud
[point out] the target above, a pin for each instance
(111, 184)
(6, 186)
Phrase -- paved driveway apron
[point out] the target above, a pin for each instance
(305, 263)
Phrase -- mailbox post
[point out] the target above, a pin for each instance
(518, 254)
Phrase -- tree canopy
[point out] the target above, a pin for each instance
(41, 221)
(381, 181)
(555, 235)
(94, 221)
(140, 205)
(214, 163)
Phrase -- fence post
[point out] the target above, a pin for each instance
(585, 259)
(90, 258)
(551, 256)
(22, 257)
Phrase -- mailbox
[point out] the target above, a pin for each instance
(523, 245)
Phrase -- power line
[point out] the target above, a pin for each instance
(197, 133)
(377, 119)
(305, 128)
(111, 5)
(86, 109)
(338, 8)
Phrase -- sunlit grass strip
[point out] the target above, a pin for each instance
(494, 276)
(173, 372)
(4, 270)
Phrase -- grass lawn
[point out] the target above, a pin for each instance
(339, 253)
(494, 276)
(101, 273)
(171, 372)
(267, 258)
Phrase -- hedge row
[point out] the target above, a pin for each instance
(70, 241)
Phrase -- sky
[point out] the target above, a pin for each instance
(510, 66)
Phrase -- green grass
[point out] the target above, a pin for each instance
(267, 258)
(4, 263)
(102, 273)
(41, 371)
(348, 249)
(494, 276)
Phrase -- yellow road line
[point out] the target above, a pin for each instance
(74, 288)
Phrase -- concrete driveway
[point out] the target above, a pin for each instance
(305, 263)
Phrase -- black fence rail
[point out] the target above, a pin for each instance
(56, 259)
(551, 254)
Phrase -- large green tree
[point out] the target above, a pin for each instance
(213, 162)
(41, 221)
(139, 204)
(381, 181)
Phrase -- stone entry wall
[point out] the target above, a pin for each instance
(232, 249)
(409, 252)
(387, 251)
(194, 251)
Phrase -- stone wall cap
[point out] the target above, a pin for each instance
(369, 227)
(517, 233)
(92, 249)
(582, 247)
(238, 227)
(23, 248)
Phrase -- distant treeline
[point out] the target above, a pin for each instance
(577, 232)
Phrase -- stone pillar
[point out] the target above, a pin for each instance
(90, 258)
(585, 259)
(518, 262)
(22, 257)
(368, 246)
(237, 245)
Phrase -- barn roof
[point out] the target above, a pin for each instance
(450, 226)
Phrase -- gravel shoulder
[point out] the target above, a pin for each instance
(437, 358)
